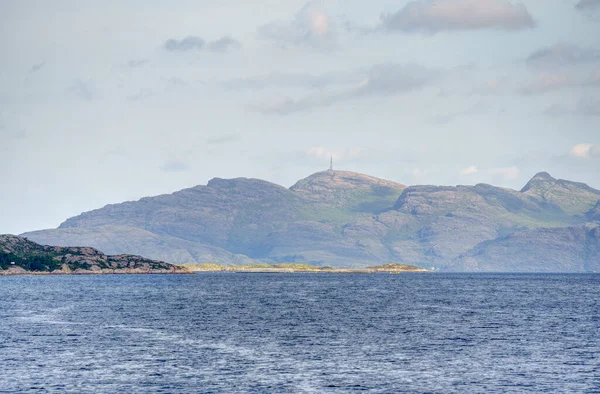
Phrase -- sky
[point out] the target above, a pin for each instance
(104, 102)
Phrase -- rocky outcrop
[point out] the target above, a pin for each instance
(18, 255)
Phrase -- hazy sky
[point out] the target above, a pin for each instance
(102, 102)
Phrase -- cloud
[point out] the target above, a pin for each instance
(186, 44)
(223, 139)
(36, 67)
(224, 44)
(547, 82)
(506, 173)
(553, 81)
(378, 81)
(587, 4)
(585, 151)
(175, 165)
(581, 150)
(311, 27)
(433, 16)
(563, 54)
(194, 43)
(469, 170)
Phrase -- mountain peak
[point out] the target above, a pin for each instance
(539, 178)
(221, 183)
(343, 188)
(543, 176)
(334, 179)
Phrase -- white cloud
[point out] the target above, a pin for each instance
(585, 151)
(469, 170)
(311, 27)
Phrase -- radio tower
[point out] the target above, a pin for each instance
(331, 164)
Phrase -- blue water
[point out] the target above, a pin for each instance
(413, 333)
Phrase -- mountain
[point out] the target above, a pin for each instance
(570, 197)
(346, 219)
(349, 190)
(18, 255)
(561, 249)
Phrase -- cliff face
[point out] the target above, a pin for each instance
(19, 255)
(340, 218)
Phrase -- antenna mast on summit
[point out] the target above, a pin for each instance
(331, 164)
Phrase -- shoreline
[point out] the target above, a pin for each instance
(232, 271)
(93, 273)
(300, 271)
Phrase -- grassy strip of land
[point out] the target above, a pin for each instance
(284, 268)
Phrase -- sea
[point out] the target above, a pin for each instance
(301, 333)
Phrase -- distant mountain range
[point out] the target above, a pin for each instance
(346, 219)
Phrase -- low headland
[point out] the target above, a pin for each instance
(19, 256)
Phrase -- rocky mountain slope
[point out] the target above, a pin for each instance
(18, 255)
(341, 218)
(561, 249)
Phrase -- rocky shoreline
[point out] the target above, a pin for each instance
(22, 272)
(19, 256)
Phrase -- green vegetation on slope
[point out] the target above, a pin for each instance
(29, 262)
(18, 253)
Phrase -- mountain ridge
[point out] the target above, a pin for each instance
(336, 218)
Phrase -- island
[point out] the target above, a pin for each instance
(19, 256)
